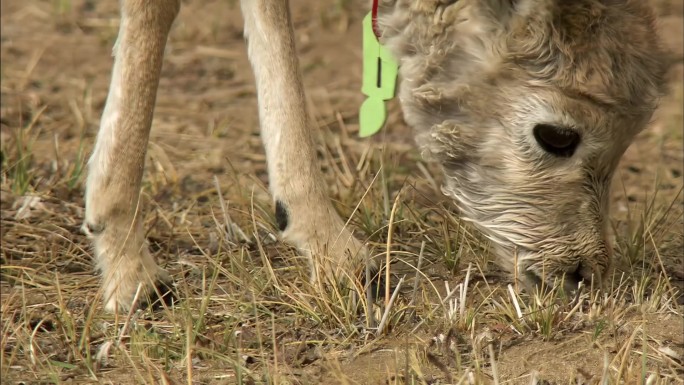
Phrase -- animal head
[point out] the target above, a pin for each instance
(528, 106)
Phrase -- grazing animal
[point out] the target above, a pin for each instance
(527, 105)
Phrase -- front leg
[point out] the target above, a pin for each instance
(305, 214)
(115, 169)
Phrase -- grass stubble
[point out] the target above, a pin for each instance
(250, 315)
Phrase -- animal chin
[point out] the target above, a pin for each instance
(514, 250)
(534, 270)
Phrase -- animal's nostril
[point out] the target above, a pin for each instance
(569, 279)
(583, 273)
(573, 278)
(587, 273)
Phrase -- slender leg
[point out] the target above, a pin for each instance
(304, 212)
(113, 217)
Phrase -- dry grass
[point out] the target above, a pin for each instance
(249, 315)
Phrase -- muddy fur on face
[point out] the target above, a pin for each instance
(477, 76)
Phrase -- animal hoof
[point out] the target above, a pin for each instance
(163, 295)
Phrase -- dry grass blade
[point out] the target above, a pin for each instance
(388, 308)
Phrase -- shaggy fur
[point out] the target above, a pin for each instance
(477, 77)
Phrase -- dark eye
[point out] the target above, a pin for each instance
(559, 141)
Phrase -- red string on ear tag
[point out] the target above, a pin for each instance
(374, 18)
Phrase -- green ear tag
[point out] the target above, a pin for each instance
(379, 80)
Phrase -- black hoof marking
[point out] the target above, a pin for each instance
(163, 295)
(94, 228)
(281, 215)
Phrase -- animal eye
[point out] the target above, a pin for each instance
(558, 141)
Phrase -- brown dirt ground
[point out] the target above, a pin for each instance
(206, 124)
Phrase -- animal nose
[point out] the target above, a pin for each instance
(573, 278)
(586, 272)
